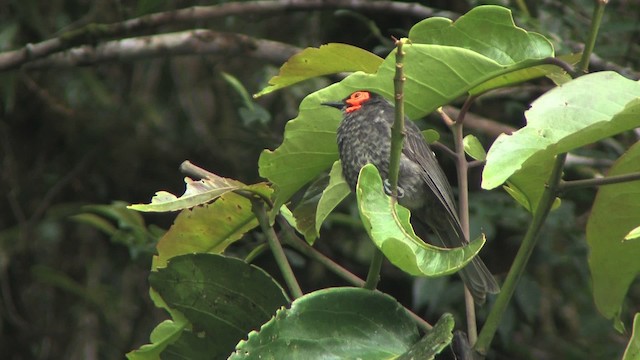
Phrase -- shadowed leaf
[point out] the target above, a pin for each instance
(613, 261)
(337, 323)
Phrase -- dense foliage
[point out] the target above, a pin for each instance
(85, 132)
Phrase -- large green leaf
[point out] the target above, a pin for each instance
(490, 31)
(580, 112)
(209, 228)
(337, 323)
(325, 60)
(223, 298)
(633, 348)
(388, 226)
(613, 261)
(436, 75)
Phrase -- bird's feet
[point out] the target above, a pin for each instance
(387, 189)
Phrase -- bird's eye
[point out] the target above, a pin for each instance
(360, 95)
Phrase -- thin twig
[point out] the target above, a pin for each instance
(462, 168)
(276, 248)
(465, 108)
(577, 184)
(450, 153)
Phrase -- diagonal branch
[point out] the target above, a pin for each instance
(193, 42)
(93, 33)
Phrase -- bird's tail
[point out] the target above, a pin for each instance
(475, 275)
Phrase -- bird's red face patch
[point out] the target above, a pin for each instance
(356, 100)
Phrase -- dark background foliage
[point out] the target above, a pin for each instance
(76, 136)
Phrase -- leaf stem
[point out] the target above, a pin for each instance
(577, 184)
(596, 19)
(373, 275)
(522, 257)
(276, 247)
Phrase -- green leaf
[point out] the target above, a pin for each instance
(287, 214)
(162, 336)
(490, 31)
(580, 112)
(191, 345)
(209, 228)
(223, 298)
(436, 75)
(436, 340)
(250, 111)
(633, 234)
(633, 348)
(388, 226)
(614, 262)
(198, 192)
(95, 221)
(518, 195)
(337, 323)
(236, 85)
(305, 212)
(333, 194)
(430, 136)
(325, 60)
(130, 229)
(473, 148)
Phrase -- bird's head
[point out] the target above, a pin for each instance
(356, 101)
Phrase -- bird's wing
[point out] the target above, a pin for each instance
(417, 150)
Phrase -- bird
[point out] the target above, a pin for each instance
(364, 136)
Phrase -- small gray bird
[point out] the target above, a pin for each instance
(364, 136)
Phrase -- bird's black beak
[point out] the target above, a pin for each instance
(337, 105)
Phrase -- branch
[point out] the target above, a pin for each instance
(462, 169)
(276, 248)
(597, 63)
(596, 19)
(192, 42)
(576, 184)
(92, 33)
(479, 123)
